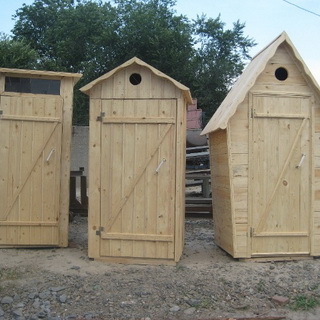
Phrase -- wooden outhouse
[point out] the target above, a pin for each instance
(35, 136)
(265, 158)
(136, 165)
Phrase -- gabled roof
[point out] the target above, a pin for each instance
(41, 73)
(186, 92)
(248, 78)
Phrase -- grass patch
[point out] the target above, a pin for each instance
(9, 274)
(304, 303)
(261, 286)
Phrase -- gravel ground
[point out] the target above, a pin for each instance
(206, 284)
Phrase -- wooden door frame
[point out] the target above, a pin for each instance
(57, 126)
(253, 94)
(95, 145)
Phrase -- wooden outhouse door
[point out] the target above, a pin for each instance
(30, 147)
(280, 174)
(138, 141)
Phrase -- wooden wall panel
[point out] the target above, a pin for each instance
(221, 190)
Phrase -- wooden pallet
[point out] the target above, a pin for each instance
(198, 207)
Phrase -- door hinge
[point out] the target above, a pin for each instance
(102, 114)
(251, 232)
(1, 112)
(98, 232)
(253, 111)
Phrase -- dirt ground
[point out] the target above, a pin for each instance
(207, 283)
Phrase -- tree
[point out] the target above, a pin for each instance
(16, 54)
(92, 37)
(152, 31)
(220, 59)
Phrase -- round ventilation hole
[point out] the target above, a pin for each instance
(135, 79)
(281, 74)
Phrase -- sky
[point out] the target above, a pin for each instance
(264, 20)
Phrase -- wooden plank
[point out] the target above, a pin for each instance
(281, 115)
(39, 73)
(128, 166)
(51, 157)
(40, 130)
(26, 206)
(283, 234)
(29, 223)
(146, 193)
(137, 120)
(67, 96)
(94, 209)
(29, 118)
(137, 236)
(136, 260)
(180, 167)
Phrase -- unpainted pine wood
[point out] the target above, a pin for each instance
(180, 170)
(40, 132)
(166, 181)
(40, 74)
(284, 180)
(51, 158)
(152, 182)
(274, 246)
(96, 91)
(118, 189)
(96, 191)
(316, 115)
(282, 59)
(13, 169)
(142, 261)
(221, 194)
(106, 172)
(128, 175)
(67, 96)
(140, 195)
(258, 187)
(4, 156)
(26, 208)
(241, 240)
(290, 89)
(166, 178)
(241, 216)
(306, 177)
(143, 90)
(240, 198)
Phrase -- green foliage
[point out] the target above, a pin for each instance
(304, 303)
(220, 59)
(16, 54)
(9, 274)
(93, 37)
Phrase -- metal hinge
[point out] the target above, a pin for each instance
(251, 232)
(1, 112)
(102, 114)
(253, 111)
(98, 232)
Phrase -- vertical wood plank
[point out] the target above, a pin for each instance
(67, 96)
(94, 167)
